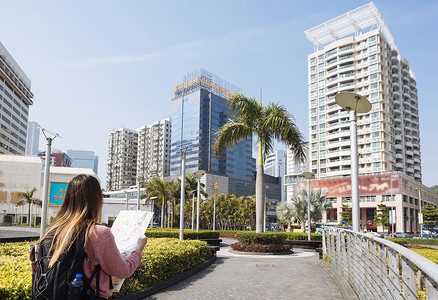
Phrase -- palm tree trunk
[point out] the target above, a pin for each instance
(260, 192)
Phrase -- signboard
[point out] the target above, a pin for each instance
(57, 192)
(368, 185)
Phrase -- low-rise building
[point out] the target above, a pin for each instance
(399, 192)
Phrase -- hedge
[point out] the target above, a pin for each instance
(266, 238)
(290, 235)
(303, 236)
(188, 234)
(162, 259)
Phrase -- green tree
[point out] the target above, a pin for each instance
(27, 198)
(345, 214)
(285, 213)
(318, 205)
(267, 123)
(430, 214)
(381, 216)
(157, 187)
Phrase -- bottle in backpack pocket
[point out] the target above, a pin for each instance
(75, 288)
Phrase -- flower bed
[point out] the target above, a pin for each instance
(260, 248)
(261, 242)
(162, 259)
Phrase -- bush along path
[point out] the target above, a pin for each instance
(162, 259)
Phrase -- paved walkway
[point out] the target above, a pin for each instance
(234, 276)
(14, 231)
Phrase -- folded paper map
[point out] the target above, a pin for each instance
(127, 228)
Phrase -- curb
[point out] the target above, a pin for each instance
(344, 287)
(142, 294)
(260, 253)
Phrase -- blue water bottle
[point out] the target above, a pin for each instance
(75, 288)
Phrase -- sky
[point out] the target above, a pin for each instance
(100, 65)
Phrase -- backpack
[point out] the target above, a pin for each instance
(53, 283)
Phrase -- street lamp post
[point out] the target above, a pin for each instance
(308, 176)
(354, 103)
(183, 171)
(46, 182)
(193, 211)
(198, 175)
(420, 215)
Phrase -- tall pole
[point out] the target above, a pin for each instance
(197, 204)
(308, 209)
(354, 173)
(354, 103)
(420, 221)
(214, 213)
(138, 195)
(193, 211)
(127, 199)
(181, 217)
(392, 211)
(46, 187)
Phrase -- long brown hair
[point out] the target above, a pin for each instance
(81, 210)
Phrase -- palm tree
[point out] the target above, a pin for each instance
(157, 187)
(267, 123)
(318, 204)
(285, 213)
(27, 198)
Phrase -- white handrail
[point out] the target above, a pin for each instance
(377, 268)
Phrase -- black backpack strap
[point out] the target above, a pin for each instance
(97, 280)
(87, 283)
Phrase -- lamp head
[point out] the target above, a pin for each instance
(353, 102)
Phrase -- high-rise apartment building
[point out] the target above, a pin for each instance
(84, 159)
(294, 169)
(275, 165)
(356, 52)
(199, 109)
(33, 138)
(122, 159)
(153, 156)
(15, 99)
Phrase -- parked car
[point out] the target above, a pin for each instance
(400, 235)
(374, 234)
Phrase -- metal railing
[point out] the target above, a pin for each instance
(379, 269)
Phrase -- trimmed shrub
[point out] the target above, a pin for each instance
(290, 235)
(162, 259)
(266, 238)
(260, 248)
(303, 236)
(188, 234)
(16, 271)
(402, 242)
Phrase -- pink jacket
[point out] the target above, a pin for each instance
(102, 250)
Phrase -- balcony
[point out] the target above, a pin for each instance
(399, 156)
(417, 168)
(399, 165)
(347, 49)
(410, 170)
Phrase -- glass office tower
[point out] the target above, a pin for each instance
(199, 109)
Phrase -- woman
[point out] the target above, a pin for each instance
(80, 212)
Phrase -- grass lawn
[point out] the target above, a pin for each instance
(431, 254)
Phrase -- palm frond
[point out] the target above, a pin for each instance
(230, 134)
